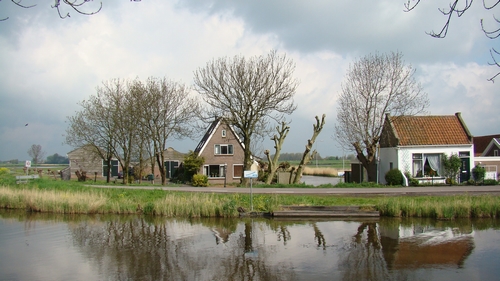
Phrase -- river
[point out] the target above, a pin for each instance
(38, 246)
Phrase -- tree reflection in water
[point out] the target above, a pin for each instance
(137, 250)
(155, 248)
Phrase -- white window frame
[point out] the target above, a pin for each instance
(418, 162)
(219, 174)
(218, 149)
(223, 133)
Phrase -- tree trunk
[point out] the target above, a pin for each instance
(306, 156)
(368, 161)
(278, 143)
(161, 167)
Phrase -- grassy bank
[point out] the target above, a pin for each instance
(48, 195)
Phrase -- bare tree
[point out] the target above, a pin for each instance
(165, 111)
(278, 143)
(307, 156)
(75, 5)
(91, 129)
(458, 8)
(375, 85)
(248, 92)
(36, 153)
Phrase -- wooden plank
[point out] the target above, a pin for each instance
(325, 214)
(27, 177)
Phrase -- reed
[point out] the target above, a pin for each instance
(61, 197)
(320, 171)
(449, 207)
(51, 201)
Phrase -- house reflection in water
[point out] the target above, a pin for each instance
(411, 247)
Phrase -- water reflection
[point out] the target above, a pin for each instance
(152, 248)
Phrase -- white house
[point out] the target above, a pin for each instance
(415, 144)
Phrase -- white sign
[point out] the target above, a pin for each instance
(250, 174)
(27, 164)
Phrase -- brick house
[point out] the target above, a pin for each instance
(223, 153)
(85, 159)
(487, 154)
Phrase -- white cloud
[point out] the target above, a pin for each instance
(49, 64)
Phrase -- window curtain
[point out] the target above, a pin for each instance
(433, 160)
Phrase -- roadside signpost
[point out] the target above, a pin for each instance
(27, 165)
(250, 175)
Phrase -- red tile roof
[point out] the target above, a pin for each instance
(430, 130)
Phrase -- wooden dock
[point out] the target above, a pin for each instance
(326, 211)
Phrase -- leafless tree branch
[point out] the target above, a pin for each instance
(459, 10)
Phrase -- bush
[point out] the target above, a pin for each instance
(199, 180)
(411, 180)
(394, 177)
(490, 182)
(478, 173)
(451, 181)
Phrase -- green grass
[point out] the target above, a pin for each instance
(49, 195)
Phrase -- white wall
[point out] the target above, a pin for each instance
(402, 156)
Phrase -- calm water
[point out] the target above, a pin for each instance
(59, 247)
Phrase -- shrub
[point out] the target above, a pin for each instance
(199, 180)
(451, 181)
(394, 177)
(490, 182)
(192, 164)
(149, 209)
(411, 180)
(478, 173)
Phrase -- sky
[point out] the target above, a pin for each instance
(48, 64)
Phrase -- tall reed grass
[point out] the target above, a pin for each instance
(320, 171)
(51, 201)
(449, 207)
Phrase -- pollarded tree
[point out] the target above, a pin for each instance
(458, 8)
(308, 155)
(375, 85)
(248, 92)
(278, 143)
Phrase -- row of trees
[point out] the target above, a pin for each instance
(132, 119)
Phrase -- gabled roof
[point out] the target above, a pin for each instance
(210, 132)
(482, 142)
(428, 130)
(495, 142)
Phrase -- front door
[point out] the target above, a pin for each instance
(465, 168)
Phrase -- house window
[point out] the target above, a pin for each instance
(223, 149)
(237, 171)
(495, 152)
(214, 171)
(223, 133)
(426, 165)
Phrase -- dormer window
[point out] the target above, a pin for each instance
(223, 133)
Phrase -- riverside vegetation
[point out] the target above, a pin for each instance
(71, 197)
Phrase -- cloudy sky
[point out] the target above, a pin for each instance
(48, 64)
